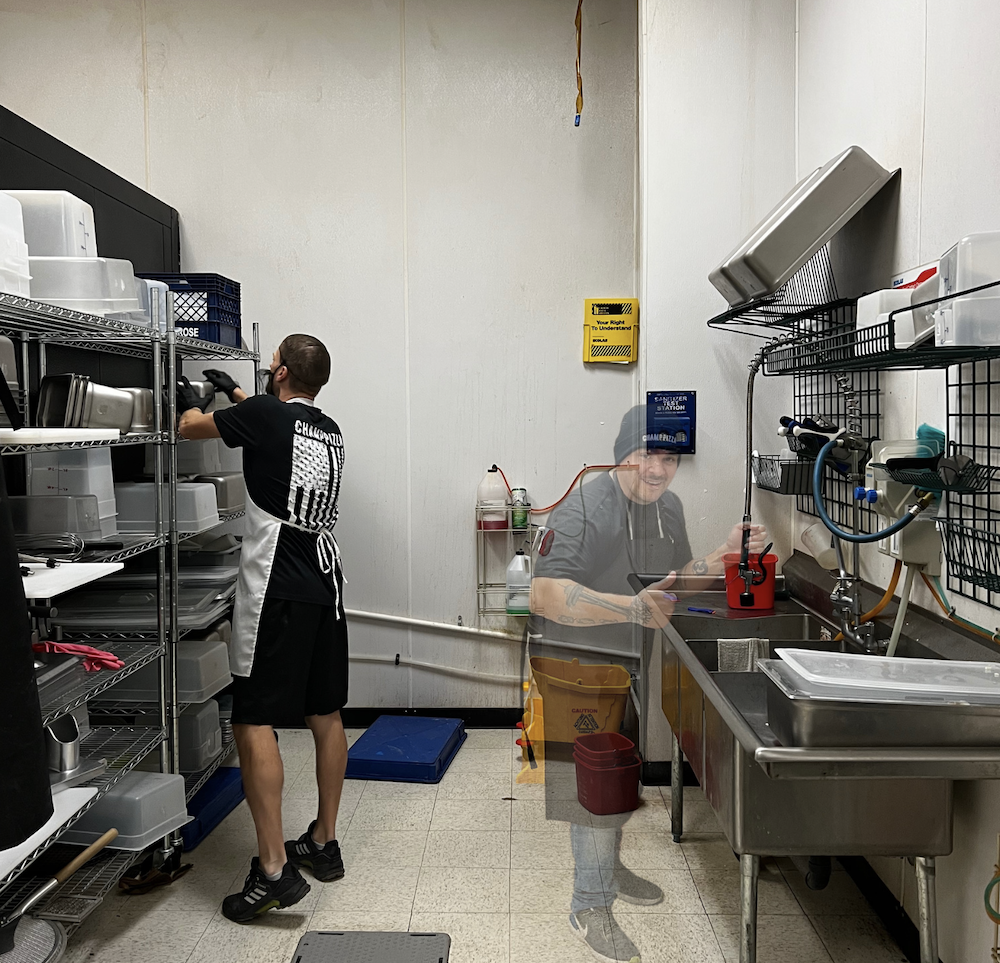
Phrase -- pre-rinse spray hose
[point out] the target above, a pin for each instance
(937, 590)
(911, 513)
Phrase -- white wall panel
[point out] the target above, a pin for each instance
(864, 78)
(718, 154)
(403, 180)
(76, 71)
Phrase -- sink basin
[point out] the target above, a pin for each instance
(781, 627)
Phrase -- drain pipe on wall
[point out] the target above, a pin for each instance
(480, 633)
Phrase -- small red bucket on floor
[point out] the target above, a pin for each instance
(763, 571)
(601, 749)
(612, 785)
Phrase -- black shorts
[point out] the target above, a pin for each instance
(300, 666)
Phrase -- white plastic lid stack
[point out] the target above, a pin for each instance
(14, 274)
(93, 285)
(57, 224)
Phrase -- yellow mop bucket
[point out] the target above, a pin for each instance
(580, 699)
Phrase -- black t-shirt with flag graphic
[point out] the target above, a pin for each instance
(293, 462)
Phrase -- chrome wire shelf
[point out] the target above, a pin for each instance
(132, 439)
(196, 780)
(132, 545)
(75, 688)
(46, 322)
(125, 748)
(231, 516)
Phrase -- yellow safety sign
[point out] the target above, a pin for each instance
(611, 330)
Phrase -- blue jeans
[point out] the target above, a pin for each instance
(595, 852)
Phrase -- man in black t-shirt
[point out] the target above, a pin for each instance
(289, 648)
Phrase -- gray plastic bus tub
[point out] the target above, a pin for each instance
(142, 806)
(56, 515)
(200, 736)
(805, 219)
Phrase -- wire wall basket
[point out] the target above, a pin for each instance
(774, 474)
(971, 532)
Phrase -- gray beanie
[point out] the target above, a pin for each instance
(632, 434)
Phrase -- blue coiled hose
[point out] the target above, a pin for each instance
(825, 518)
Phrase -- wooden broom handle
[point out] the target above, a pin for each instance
(92, 850)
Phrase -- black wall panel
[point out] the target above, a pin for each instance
(130, 223)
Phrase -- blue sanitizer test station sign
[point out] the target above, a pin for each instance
(671, 421)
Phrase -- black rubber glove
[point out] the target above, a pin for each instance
(221, 381)
(188, 398)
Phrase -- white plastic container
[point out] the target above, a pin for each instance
(14, 274)
(491, 499)
(519, 585)
(56, 514)
(202, 457)
(57, 224)
(93, 285)
(941, 678)
(202, 672)
(197, 508)
(972, 320)
(142, 806)
(874, 309)
(82, 472)
(200, 736)
(144, 289)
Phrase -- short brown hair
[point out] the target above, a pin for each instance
(307, 361)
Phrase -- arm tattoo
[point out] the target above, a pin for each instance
(573, 591)
(567, 620)
(576, 594)
(640, 611)
(700, 567)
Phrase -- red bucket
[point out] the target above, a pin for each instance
(605, 749)
(605, 791)
(763, 591)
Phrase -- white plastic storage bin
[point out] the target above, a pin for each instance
(974, 319)
(194, 458)
(144, 289)
(142, 806)
(197, 508)
(14, 275)
(95, 285)
(202, 672)
(875, 309)
(57, 224)
(200, 736)
(84, 472)
(56, 514)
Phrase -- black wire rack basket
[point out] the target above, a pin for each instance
(774, 474)
(972, 551)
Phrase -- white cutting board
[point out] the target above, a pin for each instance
(56, 436)
(67, 804)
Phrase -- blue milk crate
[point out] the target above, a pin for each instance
(202, 297)
(213, 331)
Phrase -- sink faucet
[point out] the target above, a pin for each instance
(846, 599)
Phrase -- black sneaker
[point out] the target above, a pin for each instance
(325, 863)
(261, 894)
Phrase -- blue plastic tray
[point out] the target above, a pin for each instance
(211, 804)
(406, 749)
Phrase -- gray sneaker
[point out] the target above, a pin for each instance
(635, 889)
(602, 934)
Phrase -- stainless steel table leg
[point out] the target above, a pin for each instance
(676, 790)
(927, 906)
(749, 874)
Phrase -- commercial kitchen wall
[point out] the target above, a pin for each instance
(403, 179)
(917, 84)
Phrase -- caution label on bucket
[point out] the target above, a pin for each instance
(586, 724)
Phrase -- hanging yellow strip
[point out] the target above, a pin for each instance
(579, 76)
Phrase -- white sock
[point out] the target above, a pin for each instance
(276, 876)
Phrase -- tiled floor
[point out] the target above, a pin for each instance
(476, 858)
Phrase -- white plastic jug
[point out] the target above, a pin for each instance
(519, 585)
(491, 500)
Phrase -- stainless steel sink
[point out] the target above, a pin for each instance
(786, 801)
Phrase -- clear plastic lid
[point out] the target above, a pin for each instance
(795, 687)
(939, 676)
